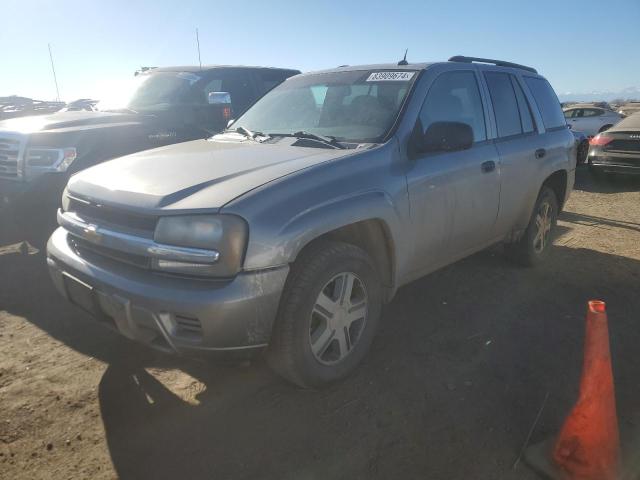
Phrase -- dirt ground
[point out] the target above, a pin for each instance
(461, 366)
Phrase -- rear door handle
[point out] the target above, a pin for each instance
(489, 166)
(540, 153)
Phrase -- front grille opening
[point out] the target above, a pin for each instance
(103, 215)
(90, 250)
(188, 325)
(9, 154)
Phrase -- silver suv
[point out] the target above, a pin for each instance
(289, 231)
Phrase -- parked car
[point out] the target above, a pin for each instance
(629, 108)
(618, 149)
(591, 120)
(166, 105)
(289, 231)
(14, 106)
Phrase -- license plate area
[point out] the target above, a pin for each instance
(81, 294)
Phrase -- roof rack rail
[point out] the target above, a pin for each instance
(499, 63)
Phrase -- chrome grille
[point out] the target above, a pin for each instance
(11, 152)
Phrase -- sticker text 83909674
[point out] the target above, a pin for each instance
(390, 76)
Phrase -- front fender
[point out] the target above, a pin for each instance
(311, 223)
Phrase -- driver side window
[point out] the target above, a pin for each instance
(455, 97)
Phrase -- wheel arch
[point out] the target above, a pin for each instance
(557, 182)
(367, 221)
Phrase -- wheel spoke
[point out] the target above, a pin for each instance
(356, 312)
(539, 221)
(320, 340)
(342, 336)
(325, 306)
(346, 288)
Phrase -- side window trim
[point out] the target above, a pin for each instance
(516, 83)
(535, 109)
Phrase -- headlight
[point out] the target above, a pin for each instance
(226, 234)
(66, 201)
(51, 159)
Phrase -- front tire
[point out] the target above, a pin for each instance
(328, 315)
(533, 247)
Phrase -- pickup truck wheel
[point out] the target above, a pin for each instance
(535, 243)
(328, 315)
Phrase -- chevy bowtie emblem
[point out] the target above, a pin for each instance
(91, 233)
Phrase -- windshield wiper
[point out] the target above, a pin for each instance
(329, 140)
(326, 140)
(248, 133)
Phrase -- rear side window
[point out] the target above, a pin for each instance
(526, 117)
(505, 105)
(238, 84)
(267, 79)
(455, 97)
(592, 112)
(547, 102)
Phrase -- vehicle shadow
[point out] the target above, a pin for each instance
(610, 184)
(583, 219)
(459, 369)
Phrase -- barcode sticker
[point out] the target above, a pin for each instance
(390, 76)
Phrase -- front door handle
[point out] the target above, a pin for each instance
(540, 153)
(489, 166)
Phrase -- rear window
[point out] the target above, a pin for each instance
(547, 102)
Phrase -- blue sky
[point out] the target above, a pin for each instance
(579, 46)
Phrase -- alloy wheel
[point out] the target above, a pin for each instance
(338, 318)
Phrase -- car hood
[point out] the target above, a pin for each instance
(197, 175)
(70, 120)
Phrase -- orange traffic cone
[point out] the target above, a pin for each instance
(587, 447)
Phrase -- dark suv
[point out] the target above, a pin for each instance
(164, 106)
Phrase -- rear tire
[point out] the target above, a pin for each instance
(582, 153)
(328, 315)
(533, 247)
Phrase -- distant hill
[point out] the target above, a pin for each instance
(631, 93)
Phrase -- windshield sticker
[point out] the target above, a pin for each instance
(390, 76)
(190, 77)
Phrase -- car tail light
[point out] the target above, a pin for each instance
(226, 113)
(600, 140)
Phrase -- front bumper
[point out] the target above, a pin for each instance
(43, 191)
(11, 191)
(169, 313)
(616, 163)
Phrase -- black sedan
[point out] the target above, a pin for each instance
(617, 150)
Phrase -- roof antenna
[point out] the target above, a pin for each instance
(404, 60)
(54, 73)
(198, 42)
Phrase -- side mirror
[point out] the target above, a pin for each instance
(219, 98)
(447, 137)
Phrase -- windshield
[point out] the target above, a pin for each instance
(355, 106)
(157, 91)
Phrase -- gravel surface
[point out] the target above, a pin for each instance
(461, 365)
